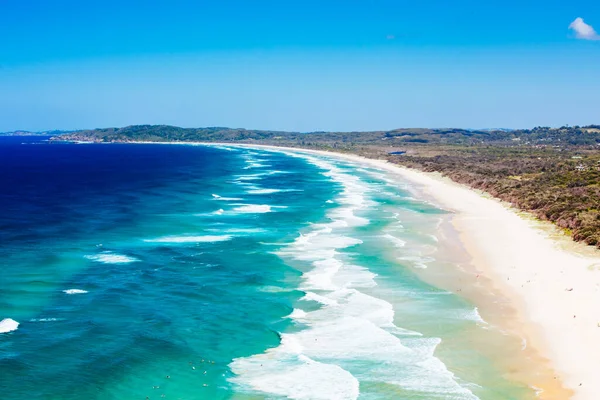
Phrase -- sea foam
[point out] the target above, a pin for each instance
(253, 177)
(396, 241)
(74, 291)
(190, 239)
(8, 325)
(256, 165)
(265, 191)
(46, 319)
(474, 316)
(285, 371)
(108, 257)
(217, 197)
(350, 329)
(255, 208)
(297, 314)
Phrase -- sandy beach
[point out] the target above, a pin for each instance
(551, 282)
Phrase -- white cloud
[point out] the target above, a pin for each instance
(583, 30)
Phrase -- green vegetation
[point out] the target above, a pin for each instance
(553, 173)
(548, 182)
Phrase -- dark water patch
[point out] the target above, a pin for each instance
(75, 217)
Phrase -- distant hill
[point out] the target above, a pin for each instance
(587, 136)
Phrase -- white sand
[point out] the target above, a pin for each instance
(536, 272)
(532, 269)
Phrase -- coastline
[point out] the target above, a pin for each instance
(550, 281)
(530, 281)
(551, 285)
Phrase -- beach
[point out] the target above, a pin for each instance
(551, 283)
(235, 271)
(222, 272)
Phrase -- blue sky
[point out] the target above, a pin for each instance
(304, 66)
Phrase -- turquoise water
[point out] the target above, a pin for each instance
(187, 272)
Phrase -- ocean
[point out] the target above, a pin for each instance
(145, 271)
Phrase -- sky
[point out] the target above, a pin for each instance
(299, 65)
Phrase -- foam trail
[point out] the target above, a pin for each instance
(109, 257)
(474, 316)
(255, 208)
(396, 241)
(254, 177)
(46, 319)
(264, 191)
(217, 197)
(417, 261)
(238, 230)
(284, 371)
(190, 239)
(256, 165)
(74, 291)
(221, 147)
(297, 314)
(8, 325)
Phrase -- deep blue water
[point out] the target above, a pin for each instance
(192, 272)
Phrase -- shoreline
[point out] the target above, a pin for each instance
(552, 284)
(546, 286)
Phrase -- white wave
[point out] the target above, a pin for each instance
(219, 212)
(109, 257)
(274, 289)
(297, 314)
(284, 371)
(238, 230)
(221, 147)
(417, 261)
(46, 319)
(350, 329)
(310, 296)
(320, 244)
(396, 241)
(74, 291)
(8, 325)
(258, 190)
(256, 165)
(254, 177)
(217, 197)
(264, 191)
(344, 217)
(354, 276)
(190, 239)
(255, 208)
(473, 315)
(321, 276)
